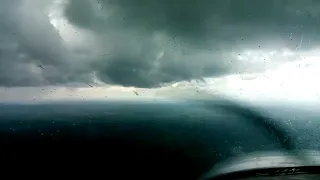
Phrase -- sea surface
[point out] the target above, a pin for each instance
(189, 127)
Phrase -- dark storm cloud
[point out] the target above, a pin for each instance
(146, 43)
(149, 62)
(194, 28)
(199, 20)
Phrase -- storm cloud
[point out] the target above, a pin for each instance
(147, 43)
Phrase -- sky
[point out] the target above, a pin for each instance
(102, 49)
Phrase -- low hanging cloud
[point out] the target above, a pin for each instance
(146, 43)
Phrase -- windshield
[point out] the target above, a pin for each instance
(265, 52)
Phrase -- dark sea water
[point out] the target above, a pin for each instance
(183, 129)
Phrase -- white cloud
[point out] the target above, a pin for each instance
(293, 80)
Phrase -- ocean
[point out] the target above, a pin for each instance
(190, 129)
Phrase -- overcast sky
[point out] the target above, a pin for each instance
(59, 48)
